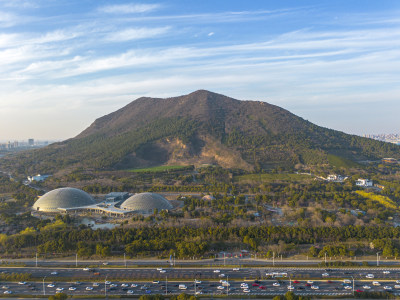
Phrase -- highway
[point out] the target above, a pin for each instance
(260, 281)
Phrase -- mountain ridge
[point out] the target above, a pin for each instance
(202, 127)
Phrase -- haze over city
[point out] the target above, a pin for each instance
(63, 65)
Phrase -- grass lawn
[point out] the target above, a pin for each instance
(273, 177)
(158, 169)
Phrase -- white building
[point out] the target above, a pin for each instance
(37, 177)
(364, 182)
(336, 178)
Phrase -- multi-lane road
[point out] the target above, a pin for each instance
(209, 281)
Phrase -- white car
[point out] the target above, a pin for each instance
(226, 284)
(124, 285)
(347, 287)
(397, 281)
(220, 287)
(235, 269)
(221, 275)
(159, 269)
(217, 271)
(386, 272)
(89, 288)
(346, 281)
(370, 276)
(199, 293)
(54, 273)
(197, 281)
(325, 274)
(130, 292)
(397, 286)
(86, 269)
(5, 287)
(72, 288)
(366, 287)
(133, 285)
(155, 281)
(315, 287)
(310, 281)
(59, 289)
(7, 292)
(51, 285)
(244, 285)
(107, 282)
(182, 287)
(113, 285)
(105, 263)
(163, 271)
(22, 282)
(96, 284)
(376, 283)
(246, 291)
(386, 287)
(276, 284)
(290, 288)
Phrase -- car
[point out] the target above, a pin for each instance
(124, 285)
(220, 287)
(221, 275)
(59, 289)
(397, 281)
(290, 287)
(7, 292)
(50, 285)
(113, 285)
(370, 276)
(300, 288)
(54, 273)
(310, 281)
(148, 292)
(129, 292)
(78, 283)
(89, 288)
(72, 288)
(347, 287)
(386, 272)
(217, 271)
(244, 285)
(329, 281)
(346, 281)
(199, 293)
(308, 284)
(95, 284)
(105, 263)
(226, 284)
(22, 282)
(255, 284)
(261, 287)
(366, 287)
(235, 269)
(197, 281)
(359, 291)
(155, 282)
(86, 269)
(246, 291)
(315, 287)
(325, 274)
(5, 287)
(159, 269)
(376, 283)
(397, 286)
(296, 281)
(276, 284)
(182, 287)
(134, 285)
(386, 287)
(107, 282)
(163, 271)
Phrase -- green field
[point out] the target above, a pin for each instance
(158, 169)
(273, 177)
(341, 162)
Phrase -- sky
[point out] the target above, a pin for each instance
(65, 63)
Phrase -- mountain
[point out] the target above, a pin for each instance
(200, 128)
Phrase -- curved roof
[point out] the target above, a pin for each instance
(146, 202)
(62, 198)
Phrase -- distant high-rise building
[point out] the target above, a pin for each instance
(31, 142)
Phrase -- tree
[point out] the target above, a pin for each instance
(59, 296)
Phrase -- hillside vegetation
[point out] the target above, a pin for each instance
(200, 128)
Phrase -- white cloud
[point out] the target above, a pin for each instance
(211, 34)
(136, 33)
(128, 8)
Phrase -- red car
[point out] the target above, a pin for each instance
(262, 287)
(359, 291)
(307, 284)
(255, 284)
(329, 281)
(296, 281)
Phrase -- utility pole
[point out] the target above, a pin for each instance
(125, 260)
(224, 258)
(36, 259)
(166, 285)
(227, 285)
(273, 259)
(195, 286)
(105, 287)
(377, 259)
(325, 258)
(353, 285)
(76, 260)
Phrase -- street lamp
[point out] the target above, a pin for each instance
(166, 285)
(227, 286)
(44, 287)
(353, 285)
(76, 260)
(105, 287)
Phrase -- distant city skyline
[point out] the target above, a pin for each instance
(64, 64)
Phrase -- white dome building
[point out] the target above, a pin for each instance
(62, 198)
(146, 203)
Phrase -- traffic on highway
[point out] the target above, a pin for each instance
(224, 281)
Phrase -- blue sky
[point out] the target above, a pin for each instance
(65, 63)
